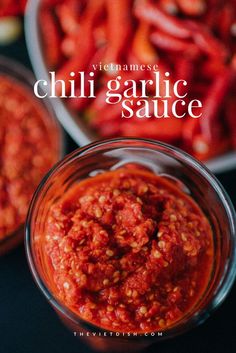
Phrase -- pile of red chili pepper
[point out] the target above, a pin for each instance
(194, 40)
(28, 148)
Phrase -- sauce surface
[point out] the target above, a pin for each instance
(128, 251)
(27, 151)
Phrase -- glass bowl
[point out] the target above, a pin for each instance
(22, 76)
(164, 160)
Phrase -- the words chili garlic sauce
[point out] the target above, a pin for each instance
(27, 151)
(128, 251)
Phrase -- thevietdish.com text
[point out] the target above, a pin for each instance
(159, 95)
(116, 334)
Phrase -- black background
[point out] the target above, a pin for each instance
(29, 325)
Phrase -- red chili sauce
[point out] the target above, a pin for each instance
(28, 148)
(128, 251)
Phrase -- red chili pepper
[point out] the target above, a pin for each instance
(100, 34)
(99, 103)
(68, 15)
(212, 68)
(207, 42)
(93, 11)
(119, 28)
(233, 62)
(199, 89)
(83, 34)
(51, 38)
(169, 6)
(163, 67)
(81, 103)
(226, 19)
(99, 110)
(211, 17)
(203, 150)
(170, 43)
(78, 62)
(142, 48)
(213, 102)
(190, 128)
(206, 135)
(112, 112)
(192, 7)
(70, 42)
(185, 70)
(69, 45)
(152, 14)
(81, 59)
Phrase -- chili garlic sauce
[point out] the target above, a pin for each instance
(128, 251)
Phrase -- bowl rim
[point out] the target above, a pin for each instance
(228, 275)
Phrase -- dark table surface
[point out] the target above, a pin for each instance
(29, 325)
